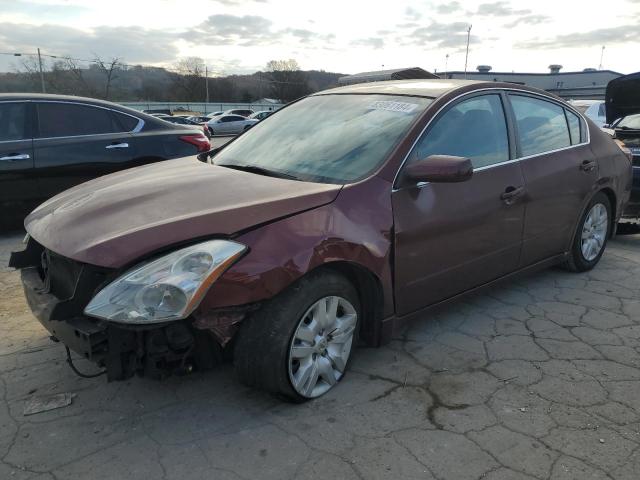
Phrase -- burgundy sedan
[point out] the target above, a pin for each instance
(332, 221)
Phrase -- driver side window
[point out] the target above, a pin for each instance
(475, 128)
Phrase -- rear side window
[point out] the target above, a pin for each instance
(542, 126)
(574, 127)
(13, 121)
(474, 128)
(69, 119)
(125, 123)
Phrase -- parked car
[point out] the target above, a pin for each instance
(178, 120)
(596, 112)
(214, 114)
(49, 143)
(243, 112)
(261, 115)
(623, 98)
(230, 124)
(158, 111)
(348, 213)
(199, 119)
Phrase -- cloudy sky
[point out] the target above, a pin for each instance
(348, 36)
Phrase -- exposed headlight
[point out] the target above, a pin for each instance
(167, 288)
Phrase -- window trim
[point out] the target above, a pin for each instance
(566, 121)
(29, 113)
(136, 129)
(510, 127)
(511, 150)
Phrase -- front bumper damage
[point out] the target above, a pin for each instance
(57, 290)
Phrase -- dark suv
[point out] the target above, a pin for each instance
(49, 143)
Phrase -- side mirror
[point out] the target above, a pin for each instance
(440, 168)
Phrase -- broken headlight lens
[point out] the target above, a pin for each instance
(167, 288)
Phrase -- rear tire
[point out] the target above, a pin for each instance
(590, 239)
(283, 348)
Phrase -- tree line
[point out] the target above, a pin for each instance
(112, 79)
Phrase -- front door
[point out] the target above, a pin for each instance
(18, 189)
(77, 142)
(451, 237)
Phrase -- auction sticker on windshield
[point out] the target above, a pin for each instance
(402, 107)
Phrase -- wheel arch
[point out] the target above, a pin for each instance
(371, 292)
(611, 195)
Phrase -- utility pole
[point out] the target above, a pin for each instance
(601, 56)
(41, 74)
(466, 57)
(206, 86)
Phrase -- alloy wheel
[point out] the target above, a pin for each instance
(321, 346)
(594, 232)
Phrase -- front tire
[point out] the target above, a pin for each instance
(591, 236)
(298, 344)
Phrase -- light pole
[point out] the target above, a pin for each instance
(446, 65)
(41, 74)
(466, 57)
(601, 56)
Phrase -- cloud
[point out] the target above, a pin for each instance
(249, 30)
(372, 42)
(412, 14)
(439, 35)
(601, 36)
(450, 7)
(134, 44)
(532, 19)
(499, 9)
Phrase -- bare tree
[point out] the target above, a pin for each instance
(287, 81)
(189, 73)
(109, 69)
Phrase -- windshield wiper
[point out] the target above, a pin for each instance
(258, 170)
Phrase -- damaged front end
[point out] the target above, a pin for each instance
(152, 342)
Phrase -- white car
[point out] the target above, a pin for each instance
(594, 109)
(230, 124)
(215, 114)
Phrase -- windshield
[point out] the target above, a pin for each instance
(632, 122)
(326, 138)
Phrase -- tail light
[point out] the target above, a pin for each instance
(200, 141)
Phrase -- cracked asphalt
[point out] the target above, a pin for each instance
(538, 379)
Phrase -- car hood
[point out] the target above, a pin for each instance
(119, 218)
(622, 97)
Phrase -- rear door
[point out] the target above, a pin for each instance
(451, 237)
(77, 142)
(559, 170)
(18, 189)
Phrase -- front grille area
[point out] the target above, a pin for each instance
(70, 283)
(59, 274)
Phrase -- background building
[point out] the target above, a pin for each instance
(589, 83)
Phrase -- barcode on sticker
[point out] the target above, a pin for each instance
(402, 107)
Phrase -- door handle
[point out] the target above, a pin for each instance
(511, 194)
(15, 156)
(117, 145)
(588, 165)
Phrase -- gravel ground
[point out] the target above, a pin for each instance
(538, 379)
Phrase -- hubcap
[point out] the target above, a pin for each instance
(321, 346)
(594, 231)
